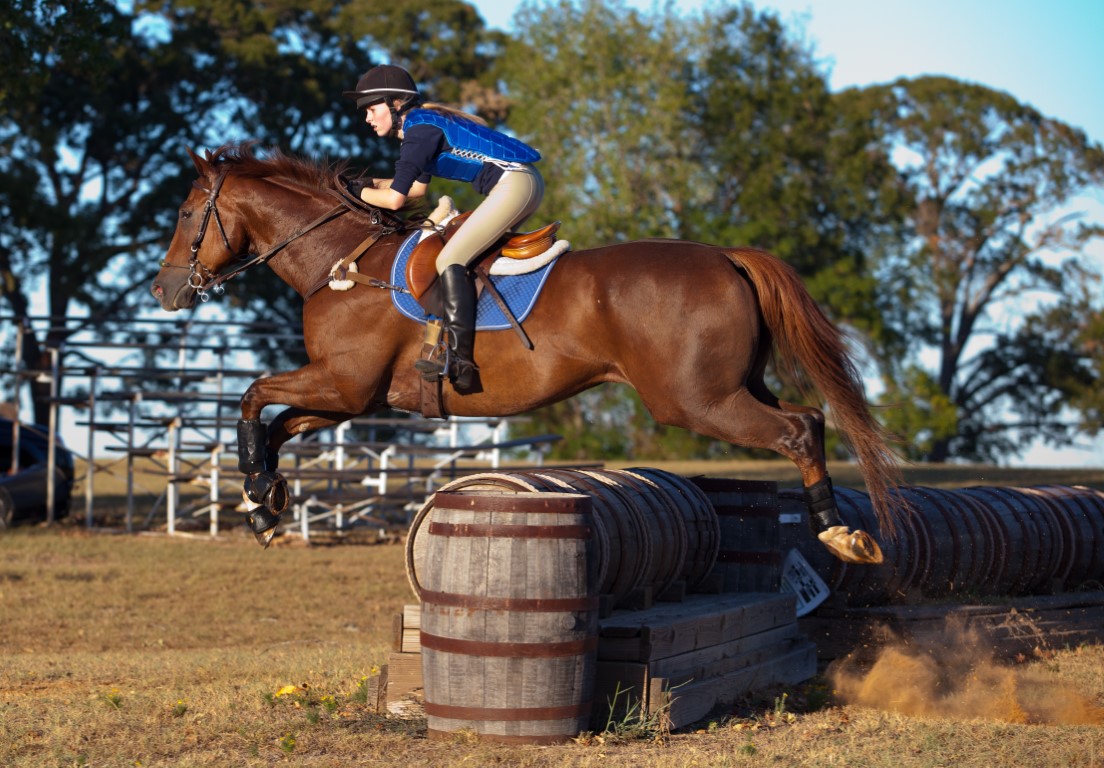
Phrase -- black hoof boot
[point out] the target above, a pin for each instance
(821, 504)
(263, 523)
(268, 488)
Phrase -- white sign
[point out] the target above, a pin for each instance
(799, 579)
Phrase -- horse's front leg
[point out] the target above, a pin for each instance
(265, 490)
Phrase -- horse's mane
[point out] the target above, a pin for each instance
(241, 160)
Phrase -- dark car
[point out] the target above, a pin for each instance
(23, 494)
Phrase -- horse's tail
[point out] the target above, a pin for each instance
(807, 341)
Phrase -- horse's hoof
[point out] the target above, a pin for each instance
(851, 547)
(264, 539)
(263, 524)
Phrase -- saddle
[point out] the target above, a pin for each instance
(421, 268)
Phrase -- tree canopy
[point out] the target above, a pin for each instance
(100, 103)
(990, 182)
(717, 127)
(935, 219)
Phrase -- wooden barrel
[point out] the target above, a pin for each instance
(509, 618)
(500, 482)
(613, 529)
(630, 546)
(1054, 524)
(749, 556)
(961, 537)
(905, 555)
(653, 528)
(663, 521)
(417, 537)
(980, 541)
(703, 533)
(1082, 522)
(1028, 536)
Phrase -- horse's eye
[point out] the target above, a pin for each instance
(185, 214)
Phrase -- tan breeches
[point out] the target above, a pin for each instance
(513, 200)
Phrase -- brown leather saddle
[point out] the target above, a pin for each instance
(421, 267)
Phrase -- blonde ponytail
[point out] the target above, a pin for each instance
(444, 109)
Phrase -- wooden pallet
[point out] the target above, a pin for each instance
(675, 660)
(680, 660)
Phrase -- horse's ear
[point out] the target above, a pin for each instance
(203, 168)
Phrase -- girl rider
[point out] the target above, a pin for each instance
(439, 141)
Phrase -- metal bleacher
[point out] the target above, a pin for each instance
(161, 418)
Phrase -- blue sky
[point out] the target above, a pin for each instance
(1048, 55)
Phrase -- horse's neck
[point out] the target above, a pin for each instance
(307, 260)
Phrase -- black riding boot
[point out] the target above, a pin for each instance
(458, 292)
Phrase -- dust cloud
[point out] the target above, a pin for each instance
(953, 674)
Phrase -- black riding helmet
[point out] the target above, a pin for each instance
(381, 83)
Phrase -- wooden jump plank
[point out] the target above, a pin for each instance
(1021, 626)
(708, 661)
(621, 685)
(693, 701)
(702, 620)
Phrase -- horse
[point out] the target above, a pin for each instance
(690, 326)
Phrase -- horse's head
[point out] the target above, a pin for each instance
(210, 234)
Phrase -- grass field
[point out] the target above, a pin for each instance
(128, 650)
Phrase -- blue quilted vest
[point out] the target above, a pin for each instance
(471, 145)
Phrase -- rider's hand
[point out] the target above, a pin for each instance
(353, 186)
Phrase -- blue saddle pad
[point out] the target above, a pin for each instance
(520, 292)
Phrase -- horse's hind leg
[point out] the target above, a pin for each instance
(824, 519)
(754, 418)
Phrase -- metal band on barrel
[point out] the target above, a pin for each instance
(516, 650)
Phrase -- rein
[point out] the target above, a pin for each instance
(201, 279)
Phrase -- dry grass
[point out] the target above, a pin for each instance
(143, 650)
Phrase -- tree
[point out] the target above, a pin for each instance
(792, 171)
(601, 89)
(285, 65)
(88, 129)
(717, 128)
(989, 180)
(100, 103)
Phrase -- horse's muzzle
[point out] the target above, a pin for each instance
(183, 297)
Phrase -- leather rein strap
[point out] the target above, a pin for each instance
(325, 218)
(346, 205)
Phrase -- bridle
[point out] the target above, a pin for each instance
(202, 278)
(197, 281)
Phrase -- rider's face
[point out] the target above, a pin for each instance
(378, 117)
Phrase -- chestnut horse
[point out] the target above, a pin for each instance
(690, 326)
